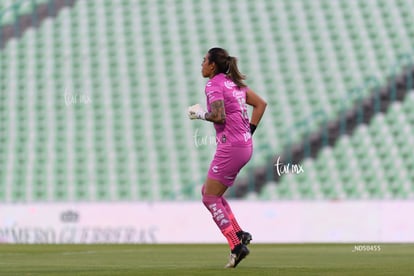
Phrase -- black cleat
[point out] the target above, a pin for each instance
(244, 237)
(237, 254)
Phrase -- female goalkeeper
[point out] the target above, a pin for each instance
(227, 96)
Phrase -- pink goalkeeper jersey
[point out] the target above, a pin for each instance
(236, 129)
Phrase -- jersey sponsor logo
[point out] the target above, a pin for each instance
(229, 84)
(238, 93)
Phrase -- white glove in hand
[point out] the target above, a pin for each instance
(196, 112)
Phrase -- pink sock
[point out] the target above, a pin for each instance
(232, 218)
(220, 216)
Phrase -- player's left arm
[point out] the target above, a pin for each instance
(259, 107)
(217, 114)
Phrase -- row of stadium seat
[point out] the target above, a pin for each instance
(376, 162)
(11, 10)
(100, 91)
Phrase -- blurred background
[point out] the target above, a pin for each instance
(93, 99)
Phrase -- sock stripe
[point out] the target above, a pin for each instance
(221, 217)
(231, 236)
(232, 218)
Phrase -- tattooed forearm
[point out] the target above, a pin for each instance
(217, 114)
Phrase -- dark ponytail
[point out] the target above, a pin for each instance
(226, 64)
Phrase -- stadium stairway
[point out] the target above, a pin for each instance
(355, 120)
(18, 16)
(337, 116)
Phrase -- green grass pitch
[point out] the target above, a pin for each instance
(205, 259)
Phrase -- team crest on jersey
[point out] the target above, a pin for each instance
(229, 84)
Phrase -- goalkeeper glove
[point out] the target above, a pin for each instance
(196, 112)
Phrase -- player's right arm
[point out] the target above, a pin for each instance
(259, 107)
(217, 114)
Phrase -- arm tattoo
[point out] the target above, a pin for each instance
(217, 114)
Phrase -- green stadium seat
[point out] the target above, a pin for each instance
(139, 61)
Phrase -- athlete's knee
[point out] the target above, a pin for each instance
(210, 200)
(213, 187)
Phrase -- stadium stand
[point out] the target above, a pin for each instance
(93, 97)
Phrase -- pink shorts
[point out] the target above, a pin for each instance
(228, 161)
